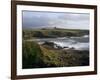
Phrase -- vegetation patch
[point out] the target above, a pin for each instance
(40, 56)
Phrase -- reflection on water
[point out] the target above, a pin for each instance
(78, 43)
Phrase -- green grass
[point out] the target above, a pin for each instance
(40, 56)
(50, 57)
(32, 55)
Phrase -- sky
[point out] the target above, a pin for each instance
(66, 20)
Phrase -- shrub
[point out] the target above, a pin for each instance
(32, 55)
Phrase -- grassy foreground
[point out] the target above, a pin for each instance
(42, 56)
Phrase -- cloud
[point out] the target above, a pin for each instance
(51, 19)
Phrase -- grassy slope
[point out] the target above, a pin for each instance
(35, 56)
(63, 58)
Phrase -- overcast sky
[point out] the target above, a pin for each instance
(33, 19)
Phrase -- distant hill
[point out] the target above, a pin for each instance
(53, 32)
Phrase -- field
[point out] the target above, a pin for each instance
(52, 33)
